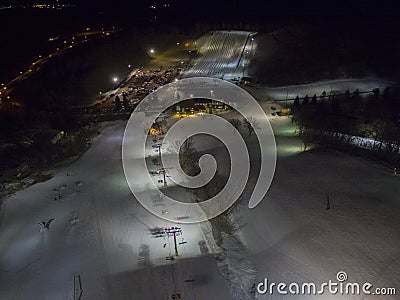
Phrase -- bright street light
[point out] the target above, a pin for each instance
(152, 51)
(115, 79)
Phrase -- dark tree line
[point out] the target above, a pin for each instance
(340, 118)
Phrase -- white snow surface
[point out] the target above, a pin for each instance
(223, 54)
(334, 86)
(291, 237)
(101, 233)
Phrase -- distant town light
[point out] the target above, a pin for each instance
(115, 79)
(152, 51)
(129, 66)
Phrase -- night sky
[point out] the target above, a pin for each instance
(366, 19)
(256, 10)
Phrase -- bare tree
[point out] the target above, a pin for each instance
(250, 124)
(235, 123)
(188, 156)
(306, 137)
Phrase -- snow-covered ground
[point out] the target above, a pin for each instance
(223, 54)
(334, 86)
(291, 237)
(101, 233)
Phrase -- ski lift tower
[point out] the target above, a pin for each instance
(174, 231)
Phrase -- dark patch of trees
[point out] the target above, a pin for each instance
(339, 119)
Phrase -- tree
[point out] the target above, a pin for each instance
(314, 99)
(125, 101)
(336, 104)
(323, 95)
(250, 123)
(305, 100)
(235, 123)
(188, 155)
(347, 94)
(117, 103)
(296, 101)
(391, 135)
(386, 93)
(376, 92)
(356, 99)
(306, 137)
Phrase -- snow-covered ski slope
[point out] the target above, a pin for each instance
(222, 54)
(100, 233)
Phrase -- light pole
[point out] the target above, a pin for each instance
(151, 52)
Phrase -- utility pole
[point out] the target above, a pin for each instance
(165, 179)
(158, 147)
(328, 203)
(287, 95)
(174, 231)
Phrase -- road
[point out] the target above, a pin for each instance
(83, 37)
